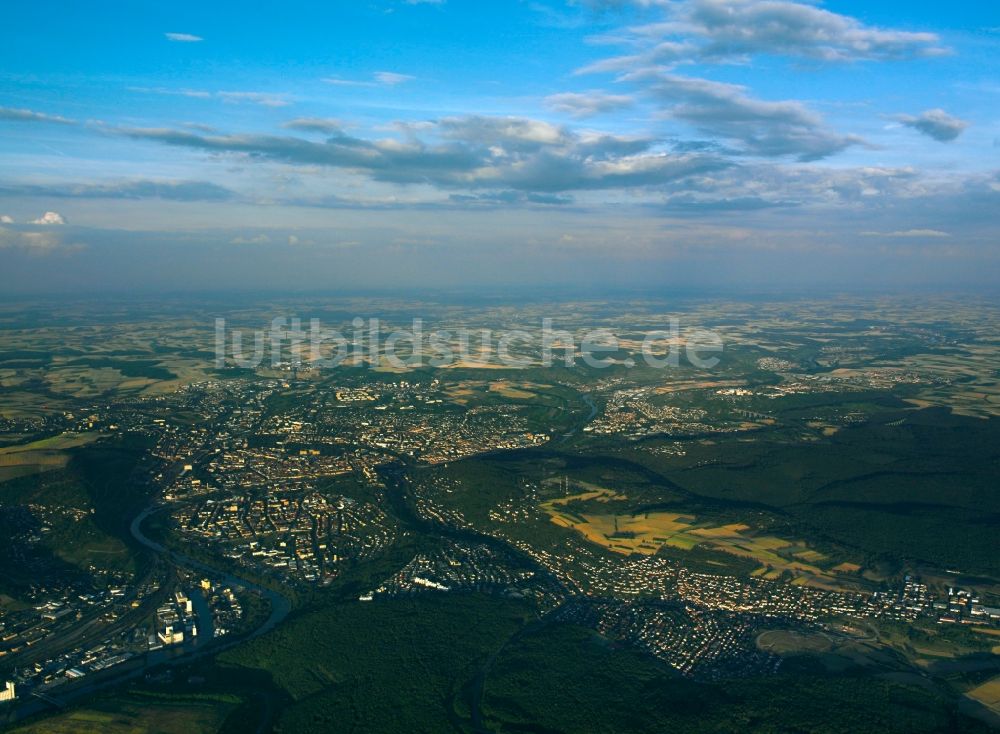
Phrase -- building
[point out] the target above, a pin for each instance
(170, 636)
(184, 602)
(8, 694)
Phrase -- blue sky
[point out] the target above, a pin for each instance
(374, 144)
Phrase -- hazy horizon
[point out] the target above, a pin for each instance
(430, 144)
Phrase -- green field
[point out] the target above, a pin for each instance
(141, 712)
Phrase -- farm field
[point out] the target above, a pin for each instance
(647, 532)
(988, 694)
(43, 455)
(139, 713)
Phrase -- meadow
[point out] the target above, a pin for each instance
(141, 712)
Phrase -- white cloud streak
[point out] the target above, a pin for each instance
(23, 115)
(379, 78)
(588, 104)
(183, 37)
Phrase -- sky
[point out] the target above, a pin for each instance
(393, 144)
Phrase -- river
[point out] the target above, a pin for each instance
(280, 606)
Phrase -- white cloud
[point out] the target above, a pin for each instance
(760, 127)
(195, 93)
(260, 239)
(12, 113)
(4, 219)
(936, 124)
(392, 78)
(587, 104)
(473, 152)
(909, 233)
(50, 218)
(183, 37)
(172, 190)
(35, 243)
(265, 99)
(737, 32)
(338, 82)
(326, 125)
(379, 78)
(731, 30)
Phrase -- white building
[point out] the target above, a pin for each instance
(170, 636)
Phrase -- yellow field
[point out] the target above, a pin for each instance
(847, 568)
(593, 492)
(478, 365)
(460, 393)
(683, 385)
(723, 531)
(987, 631)
(826, 428)
(502, 387)
(993, 633)
(987, 694)
(810, 556)
(32, 458)
(467, 390)
(646, 533)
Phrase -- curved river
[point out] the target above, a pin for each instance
(280, 607)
